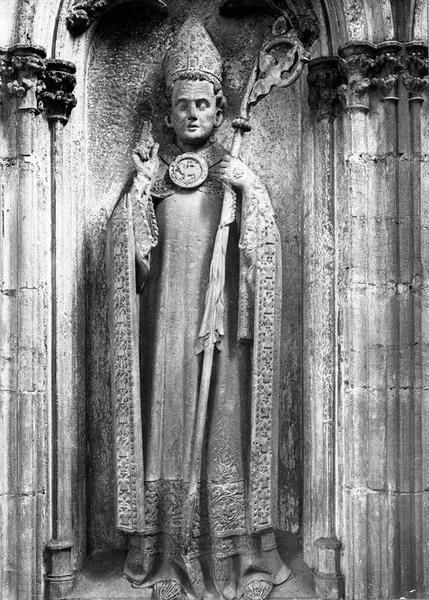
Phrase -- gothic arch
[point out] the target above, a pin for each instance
(355, 20)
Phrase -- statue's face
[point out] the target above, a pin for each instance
(194, 114)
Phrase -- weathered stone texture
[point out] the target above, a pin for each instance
(24, 300)
(381, 383)
(116, 107)
(362, 231)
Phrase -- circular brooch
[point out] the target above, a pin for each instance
(188, 170)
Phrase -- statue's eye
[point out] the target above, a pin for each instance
(202, 104)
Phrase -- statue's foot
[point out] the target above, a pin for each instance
(168, 590)
(258, 589)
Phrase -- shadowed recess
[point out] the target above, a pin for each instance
(300, 14)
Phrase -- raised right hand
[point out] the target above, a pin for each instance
(145, 158)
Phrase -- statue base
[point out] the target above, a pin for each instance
(101, 579)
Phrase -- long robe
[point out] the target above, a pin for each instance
(171, 237)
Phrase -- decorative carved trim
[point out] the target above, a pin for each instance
(38, 84)
(359, 65)
(56, 91)
(390, 64)
(299, 14)
(416, 77)
(258, 589)
(84, 12)
(168, 589)
(5, 70)
(383, 67)
(324, 78)
(21, 67)
(130, 500)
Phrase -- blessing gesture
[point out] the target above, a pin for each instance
(145, 158)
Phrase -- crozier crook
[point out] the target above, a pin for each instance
(268, 73)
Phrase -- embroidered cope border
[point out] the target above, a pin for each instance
(261, 277)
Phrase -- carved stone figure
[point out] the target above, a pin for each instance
(178, 464)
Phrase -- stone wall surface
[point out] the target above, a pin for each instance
(348, 181)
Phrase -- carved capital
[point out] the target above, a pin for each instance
(37, 83)
(324, 79)
(56, 95)
(359, 64)
(84, 12)
(4, 67)
(23, 66)
(416, 76)
(300, 15)
(390, 64)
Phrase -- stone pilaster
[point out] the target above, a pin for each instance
(381, 427)
(366, 306)
(320, 320)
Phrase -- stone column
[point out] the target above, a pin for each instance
(413, 370)
(367, 348)
(58, 100)
(24, 298)
(382, 496)
(30, 376)
(320, 318)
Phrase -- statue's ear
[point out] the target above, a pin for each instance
(218, 117)
(168, 122)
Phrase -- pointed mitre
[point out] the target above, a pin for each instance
(194, 53)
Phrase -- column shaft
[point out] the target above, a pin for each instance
(24, 304)
(320, 318)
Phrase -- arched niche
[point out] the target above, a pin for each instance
(117, 62)
(123, 77)
(92, 159)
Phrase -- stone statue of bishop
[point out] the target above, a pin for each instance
(160, 242)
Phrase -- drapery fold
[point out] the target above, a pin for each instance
(132, 233)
